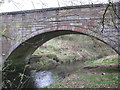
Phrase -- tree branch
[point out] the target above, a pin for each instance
(8, 37)
(103, 19)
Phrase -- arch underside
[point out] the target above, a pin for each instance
(20, 53)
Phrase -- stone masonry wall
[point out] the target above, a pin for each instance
(16, 26)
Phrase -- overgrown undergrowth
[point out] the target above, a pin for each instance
(100, 62)
(99, 68)
(92, 75)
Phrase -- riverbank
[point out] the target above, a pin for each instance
(101, 73)
(99, 68)
(77, 61)
(68, 49)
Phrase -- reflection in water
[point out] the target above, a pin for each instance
(42, 79)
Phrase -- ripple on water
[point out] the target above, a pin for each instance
(42, 79)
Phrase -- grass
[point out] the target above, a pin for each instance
(90, 52)
(104, 60)
(91, 78)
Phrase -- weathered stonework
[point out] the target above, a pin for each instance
(27, 30)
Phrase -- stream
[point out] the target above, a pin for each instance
(41, 79)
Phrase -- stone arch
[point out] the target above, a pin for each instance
(22, 50)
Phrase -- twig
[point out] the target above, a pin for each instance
(115, 25)
(113, 7)
(103, 20)
(33, 5)
(115, 10)
(58, 3)
(8, 37)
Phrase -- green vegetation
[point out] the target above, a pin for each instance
(113, 59)
(105, 76)
(98, 63)
(69, 48)
(91, 53)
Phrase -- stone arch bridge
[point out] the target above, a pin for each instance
(24, 31)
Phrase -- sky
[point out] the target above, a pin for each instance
(19, 5)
